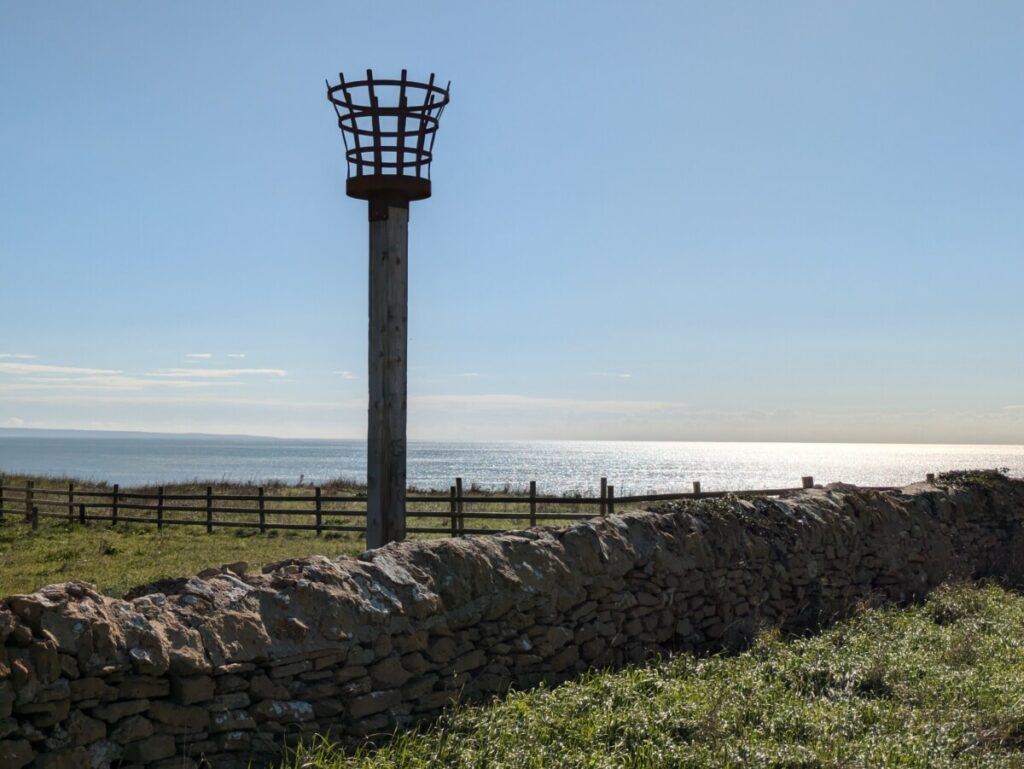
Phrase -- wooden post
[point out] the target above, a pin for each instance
(159, 508)
(458, 506)
(604, 496)
(209, 509)
(71, 502)
(1, 497)
(29, 494)
(696, 488)
(319, 513)
(35, 519)
(611, 500)
(81, 513)
(113, 506)
(263, 514)
(453, 508)
(930, 477)
(533, 503)
(386, 444)
(808, 481)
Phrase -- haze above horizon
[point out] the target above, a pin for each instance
(651, 221)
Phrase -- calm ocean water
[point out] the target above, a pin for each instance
(557, 466)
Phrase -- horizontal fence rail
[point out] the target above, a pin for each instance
(440, 514)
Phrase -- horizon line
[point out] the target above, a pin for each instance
(6, 430)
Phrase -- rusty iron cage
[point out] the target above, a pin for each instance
(388, 127)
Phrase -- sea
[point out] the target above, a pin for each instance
(634, 467)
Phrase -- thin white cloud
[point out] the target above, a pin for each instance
(610, 374)
(468, 374)
(345, 374)
(17, 355)
(1014, 407)
(13, 422)
(508, 402)
(217, 373)
(100, 382)
(19, 369)
(236, 355)
(199, 355)
(178, 398)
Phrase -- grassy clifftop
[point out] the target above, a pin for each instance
(117, 558)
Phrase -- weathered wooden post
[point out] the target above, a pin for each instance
(388, 127)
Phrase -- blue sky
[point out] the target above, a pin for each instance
(651, 220)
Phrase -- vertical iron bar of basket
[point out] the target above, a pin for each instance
(400, 139)
(378, 158)
(421, 131)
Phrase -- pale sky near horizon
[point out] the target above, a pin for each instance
(651, 220)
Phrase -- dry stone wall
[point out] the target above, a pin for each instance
(224, 668)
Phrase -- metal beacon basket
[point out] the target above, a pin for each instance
(389, 128)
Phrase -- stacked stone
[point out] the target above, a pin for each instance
(225, 668)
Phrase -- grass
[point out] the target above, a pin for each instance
(117, 558)
(936, 685)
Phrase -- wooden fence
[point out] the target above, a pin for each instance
(439, 514)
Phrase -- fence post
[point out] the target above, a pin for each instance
(29, 485)
(808, 481)
(1, 497)
(319, 513)
(696, 488)
(35, 518)
(458, 506)
(113, 506)
(263, 515)
(930, 477)
(451, 509)
(604, 496)
(611, 499)
(533, 503)
(209, 510)
(81, 514)
(159, 508)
